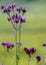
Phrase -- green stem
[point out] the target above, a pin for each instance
(29, 61)
(16, 46)
(20, 33)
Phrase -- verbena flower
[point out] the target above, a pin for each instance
(22, 20)
(32, 50)
(38, 58)
(24, 10)
(15, 18)
(7, 45)
(29, 51)
(2, 7)
(8, 8)
(19, 9)
(13, 5)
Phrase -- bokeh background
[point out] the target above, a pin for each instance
(33, 31)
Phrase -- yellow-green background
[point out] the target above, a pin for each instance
(33, 31)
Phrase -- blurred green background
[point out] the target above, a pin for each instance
(33, 31)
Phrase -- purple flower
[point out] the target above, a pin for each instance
(13, 16)
(32, 50)
(24, 10)
(4, 10)
(22, 20)
(19, 9)
(4, 44)
(16, 20)
(38, 58)
(9, 6)
(2, 7)
(44, 44)
(8, 9)
(29, 51)
(13, 5)
(7, 45)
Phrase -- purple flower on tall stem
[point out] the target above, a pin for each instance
(18, 19)
(38, 58)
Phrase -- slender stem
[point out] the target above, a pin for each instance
(16, 46)
(12, 22)
(29, 61)
(20, 33)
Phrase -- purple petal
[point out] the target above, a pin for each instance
(23, 20)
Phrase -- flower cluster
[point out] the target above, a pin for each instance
(38, 58)
(21, 9)
(16, 18)
(29, 51)
(8, 9)
(7, 45)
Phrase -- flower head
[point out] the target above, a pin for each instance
(22, 20)
(24, 10)
(7, 45)
(15, 18)
(38, 58)
(19, 9)
(32, 50)
(13, 5)
(29, 51)
(2, 7)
